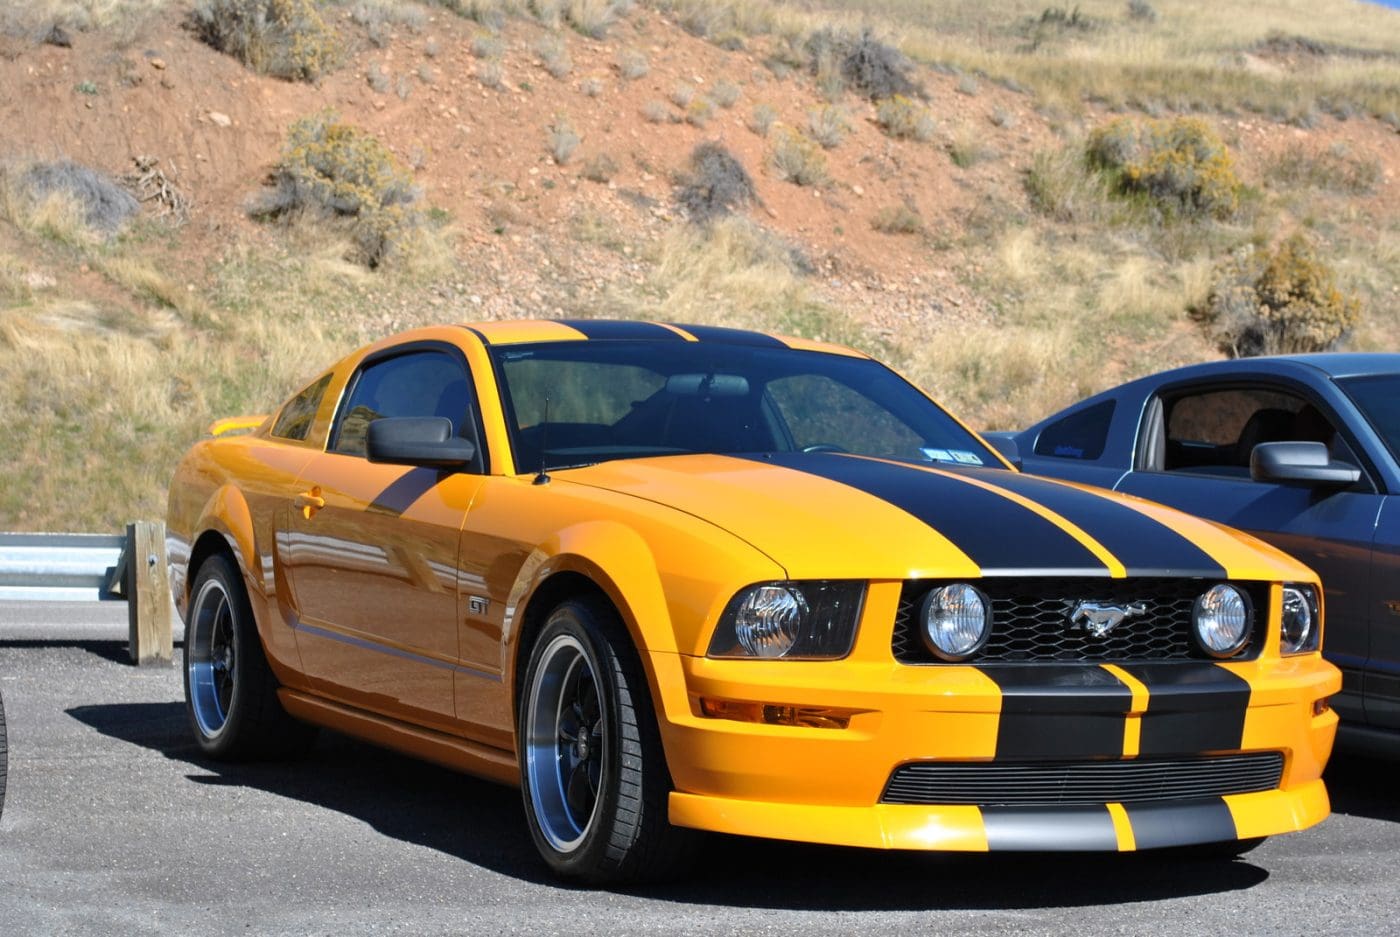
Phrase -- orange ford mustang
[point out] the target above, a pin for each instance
(679, 578)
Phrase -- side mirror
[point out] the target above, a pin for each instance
(415, 440)
(1300, 463)
(1005, 446)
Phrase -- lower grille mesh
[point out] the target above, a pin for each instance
(1143, 780)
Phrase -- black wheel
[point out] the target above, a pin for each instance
(592, 771)
(4, 755)
(230, 692)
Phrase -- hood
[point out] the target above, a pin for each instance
(837, 516)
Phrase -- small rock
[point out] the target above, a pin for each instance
(857, 190)
(39, 281)
(158, 64)
(223, 120)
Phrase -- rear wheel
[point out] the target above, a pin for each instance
(593, 775)
(230, 692)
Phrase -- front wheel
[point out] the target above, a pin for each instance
(230, 691)
(593, 774)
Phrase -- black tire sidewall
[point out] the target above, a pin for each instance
(590, 860)
(247, 653)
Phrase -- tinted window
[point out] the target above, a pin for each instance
(1216, 431)
(1379, 399)
(421, 383)
(1081, 435)
(622, 399)
(297, 415)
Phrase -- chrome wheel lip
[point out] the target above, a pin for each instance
(550, 753)
(210, 660)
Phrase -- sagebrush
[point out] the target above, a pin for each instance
(285, 38)
(1284, 301)
(1179, 163)
(333, 169)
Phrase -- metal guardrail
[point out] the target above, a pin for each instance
(94, 567)
(62, 567)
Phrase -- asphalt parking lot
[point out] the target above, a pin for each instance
(114, 824)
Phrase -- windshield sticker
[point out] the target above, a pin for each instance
(965, 457)
(961, 456)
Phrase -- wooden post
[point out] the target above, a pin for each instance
(148, 593)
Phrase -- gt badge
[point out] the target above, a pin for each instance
(1099, 619)
(477, 604)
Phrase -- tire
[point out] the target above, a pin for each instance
(4, 756)
(230, 692)
(592, 771)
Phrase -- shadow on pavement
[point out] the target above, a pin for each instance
(482, 823)
(115, 651)
(1362, 786)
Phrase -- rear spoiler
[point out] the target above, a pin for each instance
(233, 424)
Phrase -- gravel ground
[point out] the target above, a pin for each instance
(114, 824)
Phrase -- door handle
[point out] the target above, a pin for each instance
(310, 501)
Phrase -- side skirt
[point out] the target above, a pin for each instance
(446, 750)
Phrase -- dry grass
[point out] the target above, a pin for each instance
(1197, 55)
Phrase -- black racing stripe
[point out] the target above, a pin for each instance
(1049, 829)
(1145, 546)
(996, 533)
(1185, 823)
(609, 330)
(1191, 708)
(715, 333)
(404, 491)
(1059, 711)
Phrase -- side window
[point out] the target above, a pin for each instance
(822, 412)
(297, 415)
(1215, 431)
(1081, 435)
(419, 383)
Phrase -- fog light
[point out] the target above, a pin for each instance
(956, 621)
(1222, 621)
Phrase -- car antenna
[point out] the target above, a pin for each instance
(543, 477)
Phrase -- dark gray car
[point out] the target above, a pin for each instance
(1303, 451)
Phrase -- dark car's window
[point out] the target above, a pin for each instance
(620, 399)
(1216, 430)
(297, 415)
(420, 383)
(1081, 435)
(1378, 398)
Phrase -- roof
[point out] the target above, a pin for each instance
(517, 331)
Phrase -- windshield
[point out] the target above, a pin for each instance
(1378, 398)
(576, 403)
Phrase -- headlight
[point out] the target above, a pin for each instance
(813, 620)
(1222, 619)
(955, 621)
(1299, 626)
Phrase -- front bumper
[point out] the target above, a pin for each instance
(825, 785)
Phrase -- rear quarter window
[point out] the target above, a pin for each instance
(299, 413)
(1082, 435)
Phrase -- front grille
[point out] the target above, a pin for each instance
(1143, 780)
(1030, 620)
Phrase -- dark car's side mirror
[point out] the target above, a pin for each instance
(1005, 446)
(1300, 463)
(417, 440)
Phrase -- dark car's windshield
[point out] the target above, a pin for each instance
(581, 402)
(1378, 398)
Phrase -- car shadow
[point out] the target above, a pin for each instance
(1363, 786)
(482, 823)
(117, 652)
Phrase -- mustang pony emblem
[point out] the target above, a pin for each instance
(1099, 620)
